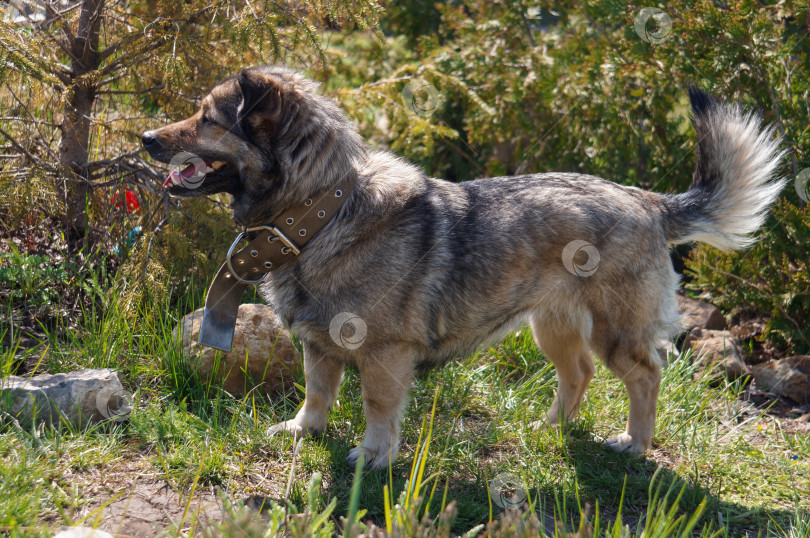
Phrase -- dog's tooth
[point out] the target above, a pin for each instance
(218, 164)
(208, 169)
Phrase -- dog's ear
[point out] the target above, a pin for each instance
(261, 97)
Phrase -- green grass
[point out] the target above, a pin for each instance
(731, 474)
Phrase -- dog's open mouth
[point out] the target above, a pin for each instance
(195, 173)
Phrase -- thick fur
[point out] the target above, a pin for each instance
(436, 269)
(732, 188)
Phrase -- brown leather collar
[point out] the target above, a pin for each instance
(269, 248)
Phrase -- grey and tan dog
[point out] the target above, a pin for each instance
(431, 270)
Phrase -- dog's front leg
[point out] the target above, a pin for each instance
(323, 375)
(385, 377)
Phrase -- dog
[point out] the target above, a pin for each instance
(416, 271)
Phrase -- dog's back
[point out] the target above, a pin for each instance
(434, 269)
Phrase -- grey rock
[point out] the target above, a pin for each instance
(80, 397)
(788, 377)
(720, 352)
(665, 349)
(700, 315)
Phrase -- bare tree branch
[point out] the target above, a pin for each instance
(24, 151)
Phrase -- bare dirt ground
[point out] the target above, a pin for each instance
(130, 500)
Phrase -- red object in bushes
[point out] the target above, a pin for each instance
(133, 206)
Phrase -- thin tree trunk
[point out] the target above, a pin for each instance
(74, 148)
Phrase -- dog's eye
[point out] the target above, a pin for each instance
(206, 119)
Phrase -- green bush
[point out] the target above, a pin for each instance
(771, 279)
(33, 281)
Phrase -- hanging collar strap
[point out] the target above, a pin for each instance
(269, 247)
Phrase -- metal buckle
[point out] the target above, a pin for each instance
(273, 230)
(284, 239)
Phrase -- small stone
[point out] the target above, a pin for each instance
(699, 315)
(720, 352)
(79, 397)
(262, 355)
(665, 348)
(788, 377)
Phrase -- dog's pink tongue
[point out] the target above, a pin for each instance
(175, 177)
(168, 182)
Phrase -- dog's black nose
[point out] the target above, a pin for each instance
(148, 139)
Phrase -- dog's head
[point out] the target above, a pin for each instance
(263, 136)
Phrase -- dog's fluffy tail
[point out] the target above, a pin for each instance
(734, 182)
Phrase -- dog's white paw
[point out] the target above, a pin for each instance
(297, 427)
(288, 426)
(374, 459)
(625, 443)
(355, 453)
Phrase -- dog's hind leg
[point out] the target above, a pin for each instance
(323, 375)
(572, 359)
(639, 369)
(385, 376)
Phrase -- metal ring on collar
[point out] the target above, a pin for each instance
(230, 265)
